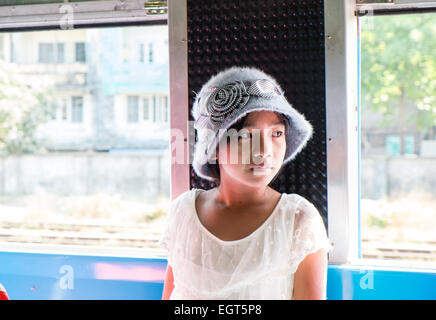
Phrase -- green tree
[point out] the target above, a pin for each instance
(398, 65)
(25, 103)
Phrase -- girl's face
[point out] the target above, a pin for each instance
(255, 154)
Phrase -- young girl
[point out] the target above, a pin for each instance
(243, 239)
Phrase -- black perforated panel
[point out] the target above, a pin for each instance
(285, 39)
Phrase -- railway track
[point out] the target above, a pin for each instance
(376, 249)
(134, 236)
(146, 236)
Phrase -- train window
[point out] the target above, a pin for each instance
(84, 137)
(398, 137)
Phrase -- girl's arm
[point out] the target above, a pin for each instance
(169, 284)
(310, 279)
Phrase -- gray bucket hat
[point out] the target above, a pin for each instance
(229, 96)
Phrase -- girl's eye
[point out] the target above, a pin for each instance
(280, 133)
(248, 135)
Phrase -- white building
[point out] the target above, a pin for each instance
(110, 84)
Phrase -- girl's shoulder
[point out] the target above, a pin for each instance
(294, 199)
(178, 208)
(300, 206)
(182, 199)
(184, 195)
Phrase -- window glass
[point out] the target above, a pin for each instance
(77, 109)
(398, 137)
(133, 108)
(46, 52)
(150, 52)
(64, 108)
(60, 53)
(80, 52)
(74, 170)
(146, 108)
(141, 52)
(155, 109)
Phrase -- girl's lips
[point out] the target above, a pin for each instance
(260, 167)
(261, 170)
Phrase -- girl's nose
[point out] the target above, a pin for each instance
(262, 145)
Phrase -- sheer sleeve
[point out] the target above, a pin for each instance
(167, 240)
(309, 233)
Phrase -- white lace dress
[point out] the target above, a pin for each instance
(259, 266)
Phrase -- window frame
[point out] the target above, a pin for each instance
(178, 95)
(156, 107)
(392, 7)
(364, 8)
(64, 109)
(343, 123)
(82, 14)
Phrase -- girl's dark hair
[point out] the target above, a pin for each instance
(238, 125)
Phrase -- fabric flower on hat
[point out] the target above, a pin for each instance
(231, 98)
(224, 100)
